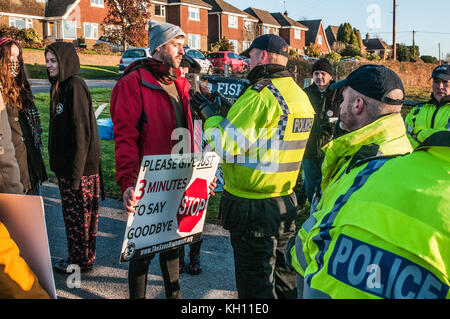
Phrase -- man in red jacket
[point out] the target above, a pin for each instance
(148, 103)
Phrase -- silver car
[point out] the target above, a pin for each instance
(206, 65)
(132, 55)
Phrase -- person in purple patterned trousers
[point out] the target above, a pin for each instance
(75, 156)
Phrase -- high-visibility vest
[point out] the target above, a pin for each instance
(385, 231)
(425, 119)
(263, 138)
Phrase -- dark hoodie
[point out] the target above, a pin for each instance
(74, 144)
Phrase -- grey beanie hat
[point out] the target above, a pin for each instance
(159, 33)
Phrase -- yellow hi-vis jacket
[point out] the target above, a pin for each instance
(425, 119)
(384, 232)
(17, 281)
(263, 138)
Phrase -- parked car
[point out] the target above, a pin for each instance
(114, 47)
(205, 64)
(132, 55)
(220, 58)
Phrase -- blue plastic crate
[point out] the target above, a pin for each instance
(105, 129)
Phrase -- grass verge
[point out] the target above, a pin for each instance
(38, 71)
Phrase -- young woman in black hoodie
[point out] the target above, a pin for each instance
(74, 150)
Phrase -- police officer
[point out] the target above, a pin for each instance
(432, 116)
(261, 140)
(373, 97)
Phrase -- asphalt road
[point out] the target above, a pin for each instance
(108, 279)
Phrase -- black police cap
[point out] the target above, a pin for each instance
(442, 72)
(269, 42)
(374, 81)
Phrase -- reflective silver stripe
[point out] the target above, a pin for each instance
(311, 293)
(448, 125)
(299, 253)
(409, 129)
(276, 144)
(271, 167)
(309, 223)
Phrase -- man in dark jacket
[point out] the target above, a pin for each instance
(147, 104)
(326, 105)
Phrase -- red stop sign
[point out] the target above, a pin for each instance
(193, 205)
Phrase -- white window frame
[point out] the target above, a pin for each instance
(28, 22)
(266, 30)
(319, 39)
(64, 36)
(248, 25)
(195, 41)
(233, 22)
(98, 3)
(95, 28)
(245, 45)
(297, 34)
(162, 11)
(194, 13)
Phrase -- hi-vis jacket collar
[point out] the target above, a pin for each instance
(388, 132)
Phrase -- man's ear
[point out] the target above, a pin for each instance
(264, 56)
(359, 106)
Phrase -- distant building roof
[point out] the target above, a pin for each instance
(222, 6)
(375, 44)
(286, 21)
(57, 8)
(263, 16)
(331, 33)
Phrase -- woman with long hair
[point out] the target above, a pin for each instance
(74, 151)
(23, 116)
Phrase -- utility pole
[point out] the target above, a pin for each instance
(439, 53)
(394, 40)
(414, 44)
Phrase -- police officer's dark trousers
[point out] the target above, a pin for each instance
(259, 231)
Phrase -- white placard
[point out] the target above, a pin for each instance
(172, 193)
(23, 216)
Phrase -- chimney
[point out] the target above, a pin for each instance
(285, 13)
(367, 36)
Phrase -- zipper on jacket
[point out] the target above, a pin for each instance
(434, 116)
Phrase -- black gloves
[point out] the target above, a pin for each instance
(217, 104)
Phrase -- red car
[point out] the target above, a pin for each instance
(220, 58)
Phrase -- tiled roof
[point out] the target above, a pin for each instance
(375, 44)
(286, 21)
(331, 33)
(313, 26)
(263, 16)
(222, 6)
(57, 8)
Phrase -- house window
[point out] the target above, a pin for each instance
(90, 30)
(234, 43)
(297, 34)
(319, 39)
(20, 23)
(194, 41)
(160, 10)
(69, 30)
(248, 26)
(233, 22)
(245, 45)
(98, 3)
(194, 14)
(266, 30)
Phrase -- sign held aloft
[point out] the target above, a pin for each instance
(172, 193)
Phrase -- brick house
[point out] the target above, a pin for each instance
(231, 23)
(377, 46)
(266, 22)
(23, 14)
(293, 32)
(316, 34)
(69, 20)
(190, 15)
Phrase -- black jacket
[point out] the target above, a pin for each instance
(326, 106)
(74, 143)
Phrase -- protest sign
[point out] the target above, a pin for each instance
(172, 193)
(24, 218)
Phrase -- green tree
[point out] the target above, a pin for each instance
(222, 45)
(345, 32)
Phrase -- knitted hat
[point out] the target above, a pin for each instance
(323, 65)
(159, 33)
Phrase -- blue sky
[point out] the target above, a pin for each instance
(373, 16)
